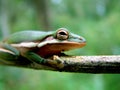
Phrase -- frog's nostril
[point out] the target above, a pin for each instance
(81, 39)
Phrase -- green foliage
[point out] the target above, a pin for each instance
(96, 20)
(0, 35)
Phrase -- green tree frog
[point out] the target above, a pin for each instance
(36, 45)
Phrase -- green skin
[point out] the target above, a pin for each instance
(31, 44)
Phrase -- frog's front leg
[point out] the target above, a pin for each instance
(34, 57)
(55, 62)
(8, 54)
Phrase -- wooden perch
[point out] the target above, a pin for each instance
(93, 64)
(79, 64)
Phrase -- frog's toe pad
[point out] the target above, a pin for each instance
(56, 62)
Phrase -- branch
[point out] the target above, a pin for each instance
(93, 64)
(80, 64)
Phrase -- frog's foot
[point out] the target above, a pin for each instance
(56, 62)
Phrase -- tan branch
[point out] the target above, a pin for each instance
(80, 64)
(93, 64)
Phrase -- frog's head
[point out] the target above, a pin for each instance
(61, 40)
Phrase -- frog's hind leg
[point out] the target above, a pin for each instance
(8, 54)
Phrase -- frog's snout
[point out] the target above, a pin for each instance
(82, 40)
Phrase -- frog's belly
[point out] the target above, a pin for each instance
(56, 49)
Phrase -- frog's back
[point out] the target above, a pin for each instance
(26, 36)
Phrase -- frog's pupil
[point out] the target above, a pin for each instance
(62, 33)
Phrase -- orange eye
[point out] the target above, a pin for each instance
(62, 34)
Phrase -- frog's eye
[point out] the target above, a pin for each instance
(62, 34)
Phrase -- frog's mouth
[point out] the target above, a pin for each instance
(65, 44)
(54, 47)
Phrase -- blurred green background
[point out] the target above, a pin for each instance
(96, 20)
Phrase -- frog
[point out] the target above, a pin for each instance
(37, 46)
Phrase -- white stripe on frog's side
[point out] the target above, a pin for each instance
(25, 44)
(7, 51)
(33, 44)
(47, 42)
